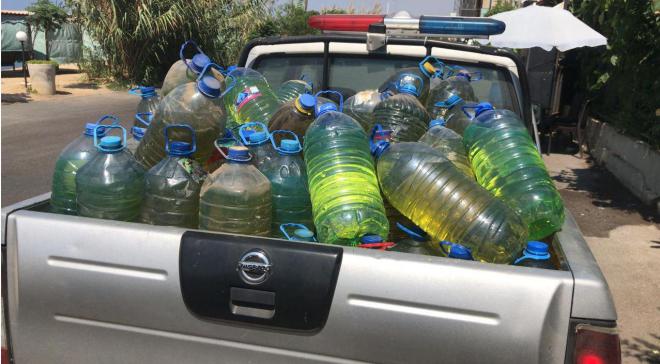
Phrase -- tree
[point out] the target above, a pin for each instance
(501, 6)
(47, 17)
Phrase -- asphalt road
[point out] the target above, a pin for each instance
(34, 133)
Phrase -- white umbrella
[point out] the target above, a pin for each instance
(545, 27)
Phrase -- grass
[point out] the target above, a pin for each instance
(42, 61)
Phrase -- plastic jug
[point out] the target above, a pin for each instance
(236, 198)
(536, 255)
(171, 188)
(301, 232)
(199, 105)
(506, 162)
(429, 190)
(251, 99)
(71, 159)
(137, 131)
(292, 89)
(187, 70)
(111, 185)
(403, 114)
(294, 116)
(443, 102)
(346, 200)
(429, 68)
(288, 179)
(460, 80)
(149, 101)
(255, 136)
(361, 106)
(449, 144)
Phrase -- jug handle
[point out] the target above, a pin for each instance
(283, 228)
(219, 148)
(246, 126)
(230, 87)
(468, 107)
(419, 235)
(341, 97)
(437, 63)
(279, 149)
(106, 128)
(183, 48)
(115, 120)
(304, 77)
(134, 91)
(445, 104)
(193, 137)
(148, 115)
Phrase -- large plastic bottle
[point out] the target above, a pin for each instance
(111, 185)
(292, 89)
(199, 105)
(295, 116)
(71, 159)
(251, 99)
(346, 201)
(187, 70)
(429, 68)
(149, 101)
(443, 102)
(506, 162)
(460, 80)
(428, 189)
(536, 255)
(236, 198)
(301, 232)
(171, 188)
(403, 114)
(449, 144)
(255, 136)
(137, 131)
(288, 178)
(361, 106)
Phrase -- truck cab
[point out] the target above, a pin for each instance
(80, 290)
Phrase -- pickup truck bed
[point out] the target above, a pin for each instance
(80, 290)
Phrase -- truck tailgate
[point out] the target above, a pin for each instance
(85, 290)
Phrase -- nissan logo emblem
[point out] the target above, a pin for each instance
(254, 267)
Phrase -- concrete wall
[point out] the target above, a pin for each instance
(632, 162)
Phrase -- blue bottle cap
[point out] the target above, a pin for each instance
(138, 133)
(89, 129)
(303, 234)
(147, 91)
(438, 122)
(538, 248)
(258, 137)
(181, 149)
(482, 107)
(289, 145)
(409, 89)
(231, 68)
(238, 154)
(324, 108)
(370, 239)
(111, 143)
(458, 251)
(307, 101)
(209, 86)
(199, 61)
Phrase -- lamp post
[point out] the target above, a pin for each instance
(22, 37)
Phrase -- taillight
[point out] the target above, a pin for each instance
(5, 356)
(347, 23)
(596, 345)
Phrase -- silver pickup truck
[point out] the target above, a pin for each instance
(82, 290)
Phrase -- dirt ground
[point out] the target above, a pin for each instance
(68, 82)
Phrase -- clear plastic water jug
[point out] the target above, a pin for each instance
(198, 104)
(236, 198)
(288, 178)
(361, 106)
(171, 189)
(71, 159)
(346, 200)
(137, 131)
(429, 190)
(187, 70)
(111, 185)
(461, 80)
(443, 102)
(428, 68)
(449, 144)
(251, 99)
(149, 101)
(403, 114)
(255, 136)
(506, 162)
(292, 89)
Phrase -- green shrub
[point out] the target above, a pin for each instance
(42, 61)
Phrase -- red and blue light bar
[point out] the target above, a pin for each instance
(444, 25)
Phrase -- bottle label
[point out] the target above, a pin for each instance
(249, 94)
(188, 165)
